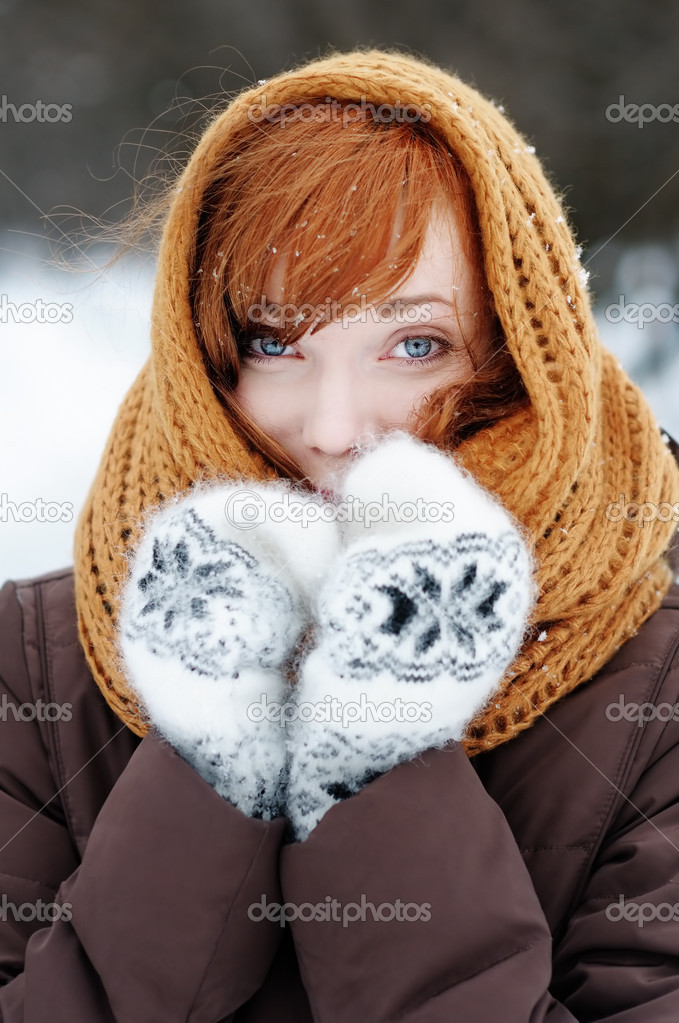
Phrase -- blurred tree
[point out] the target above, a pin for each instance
(555, 67)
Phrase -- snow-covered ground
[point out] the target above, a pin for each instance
(61, 382)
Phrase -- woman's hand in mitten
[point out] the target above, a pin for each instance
(417, 623)
(217, 599)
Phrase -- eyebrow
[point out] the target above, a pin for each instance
(422, 299)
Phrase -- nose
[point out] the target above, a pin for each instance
(337, 417)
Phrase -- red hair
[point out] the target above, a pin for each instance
(329, 191)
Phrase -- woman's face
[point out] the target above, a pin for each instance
(368, 371)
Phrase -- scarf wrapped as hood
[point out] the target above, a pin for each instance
(587, 438)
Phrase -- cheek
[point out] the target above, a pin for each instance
(397, 400)
(407, 393)
(399, 411)
(266, 400)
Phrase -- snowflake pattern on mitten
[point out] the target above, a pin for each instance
(422, 609)
(211, 615)
(417, 624)
(206, 602)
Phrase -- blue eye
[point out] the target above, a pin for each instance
(415, 348)
(418, 346)
(267, 346)
(421, 350)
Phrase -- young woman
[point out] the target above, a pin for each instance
(359, 702)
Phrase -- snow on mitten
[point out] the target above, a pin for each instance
(417, 624)
(216, 601)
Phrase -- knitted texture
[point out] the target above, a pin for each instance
(587, 437)
(416, 624)
(216, 608)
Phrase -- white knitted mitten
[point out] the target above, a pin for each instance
(216, 601)
(417, 623)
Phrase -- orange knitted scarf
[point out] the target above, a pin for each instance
(587, 437)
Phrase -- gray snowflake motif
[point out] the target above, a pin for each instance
(208, 602)
(424, 608)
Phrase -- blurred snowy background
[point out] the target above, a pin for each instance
(60, 386)
(555, 68)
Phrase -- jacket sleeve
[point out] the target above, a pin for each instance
(153, 923)
(435, 916)
(618, 960)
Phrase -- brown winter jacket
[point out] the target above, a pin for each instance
(550, 865)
